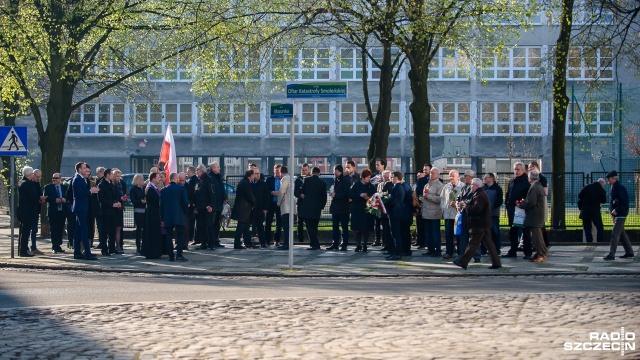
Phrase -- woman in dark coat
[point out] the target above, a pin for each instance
(136, 194)
(107, 199)
(339, 209)
(361, 221)
(152, 243)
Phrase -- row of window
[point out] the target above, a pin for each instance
(519, 63)
(344, 118)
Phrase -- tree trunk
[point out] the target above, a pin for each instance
(379, 140)
(560, 104)
(418, 76)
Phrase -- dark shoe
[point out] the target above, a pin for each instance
(609, 257)
(377, 243)
(138, 253)
(625, 256)
(202, 247)
(59, 250)
(494, 267)
(36, 252)
(358, 248)
(219, 245)
(283, 247)
(510, 255)
(527, 257)
(389, 253)
(393, 257)
(90, 257)
(333, 247)
(447, 256)
(29, 255)
(119, 252)
(314, 248)
(343, 248)
(171, 259)
(105, 253)
(240, 247)
(364, 248)
(181, 258)
(69, 245)
(406, 254)
(476, 261)
(457, 262)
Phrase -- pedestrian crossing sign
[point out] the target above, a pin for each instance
(15, 140)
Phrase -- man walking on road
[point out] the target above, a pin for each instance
(619, 207)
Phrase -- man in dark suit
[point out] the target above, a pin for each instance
(400, 216)
(304, 173)
(273, 183)
(173, 210)
(478, 222)
(261, 192)
(81, 194)
(314, 196)
(245, 202)
(57, 211)
(190, 186)
(516, 191)
(205, 203)
(589, 200)
(28, 202)
(219, 199)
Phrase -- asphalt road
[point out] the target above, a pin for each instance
(25, 288)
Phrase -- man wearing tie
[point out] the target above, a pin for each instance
(173, 211)
(81, 194)
(56, 211)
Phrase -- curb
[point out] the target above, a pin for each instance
(285, 275)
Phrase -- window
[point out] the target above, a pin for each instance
(304, 64)
(98, 119)
(510, 119)
(591, 12)
(591, 118)
(169, 70)
(152, 118)
(313, 120)
(353, 119)
(516, 63)
(351, 63)
(588, 64)
(449, 64)
(231, 119)
(450, 118)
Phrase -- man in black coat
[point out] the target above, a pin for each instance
(28, 202)
(205, 203)
(108, 204)
(517, 190)
(261, 193)
(219, 199)
(314, 194)
(304, 173)
(242, 209)
(339, 209)
(589, 200)
(190, 187)
(56, 211)
(273, 183)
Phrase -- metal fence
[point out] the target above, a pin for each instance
(574, 182)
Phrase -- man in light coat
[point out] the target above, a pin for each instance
(535, 207)
(448, 197)
(432, 212)
(284, 198)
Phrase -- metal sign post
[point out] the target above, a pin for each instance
(306, 90)
(13, 141)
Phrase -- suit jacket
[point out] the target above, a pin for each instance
(173, 205)
(51, 194)
(28, 201)
(590, 198)
(81, 194)
(340, 201)
(217, 189)
(399, 205)
(204, 195)
(107, 197)
(245, 202)
(315, 198)
(297, 188)
(535, 206)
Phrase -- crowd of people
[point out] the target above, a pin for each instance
(171, 213)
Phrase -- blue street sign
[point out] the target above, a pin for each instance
(14, 140)
(281, 111)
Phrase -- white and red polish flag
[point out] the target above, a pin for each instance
(168, 154)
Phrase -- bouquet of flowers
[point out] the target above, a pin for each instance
(375, 204)
(453, 194)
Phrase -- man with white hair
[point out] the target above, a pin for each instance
(516, 191)
(589, 200)
(478, 212)
(448, 197)
(535, 207)
(463, 200)
(28, 202)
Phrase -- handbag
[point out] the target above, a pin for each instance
(458, 227)
(518, 217)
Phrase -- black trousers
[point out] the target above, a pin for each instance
(107, 230)
(215, 224)
(71, 226)
(274, 210)
(191, 223)
(300, 228)
(420, 235)
(204, 224)
(387, 239)
(25, 232)
(138, 219)
(56, 225)
(312, 229)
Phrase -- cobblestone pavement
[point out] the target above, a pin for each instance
(383, 327)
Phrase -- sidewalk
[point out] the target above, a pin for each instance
(563, 260)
